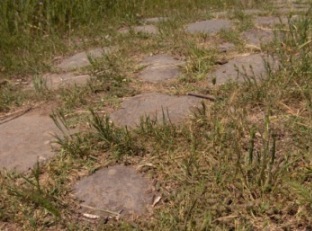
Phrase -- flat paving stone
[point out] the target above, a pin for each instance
(116, 188)
(257, 37)
(155, 20)
(240, 68)
(63, 80)
(81, 59)
(26, 140)
(154, 106)
(209, 26)
(146, 29)
(160, 68)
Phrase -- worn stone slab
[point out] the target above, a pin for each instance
(209, 26)
(257, 36)
(160, 68)
(244, 67)
(146, 29)
(270, 21)
(154, 106)
(81, 59)
(116, 188)
(26, 140)
(155, 20)
(55, 81)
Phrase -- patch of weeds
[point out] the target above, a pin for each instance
(110, 77)
(10, 95)
(31, 199)
(39, 84)
(77, 144)
(263, 166)
(199, 63)
(164, 133)
(245, 21)
(231, 36)
(118, 140)
(74, 97)
(40, 87)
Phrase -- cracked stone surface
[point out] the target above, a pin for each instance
(81, 59)
(209, 26)
(159, 68)
(115, 188)
(257, 37)
(176, 108)
(238, 69)
(25, 140)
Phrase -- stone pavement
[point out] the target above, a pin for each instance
(27, 139)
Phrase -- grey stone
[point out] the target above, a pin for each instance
(26, 140)
(81, 59)
(209, 26)
(160, 68)
(154, 20)
(147, 29)
(63, 80)
(116, 188)
(257, 36)
(244, 67)
(154, 106)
